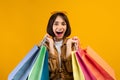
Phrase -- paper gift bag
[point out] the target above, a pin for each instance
(45, 72)
(77, 72)
(87, 74)
(37, 69)
(21, 71)
(99, 68)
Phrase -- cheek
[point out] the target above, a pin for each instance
(65, 28)
(54, 29)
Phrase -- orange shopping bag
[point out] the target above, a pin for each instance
(97, 66)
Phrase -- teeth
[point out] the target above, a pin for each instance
(59, 32)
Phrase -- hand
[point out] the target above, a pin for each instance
(76, 42)
(51, 43)
(69, 43)
(73, 40)
(49, 40)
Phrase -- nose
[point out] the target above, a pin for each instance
(60, 25)
(60, 28)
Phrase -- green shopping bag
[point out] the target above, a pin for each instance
(37, 69)
(77, 71)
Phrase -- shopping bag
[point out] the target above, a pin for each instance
(37, 69)
(87, 74)
(77, 72)
(99, 68)
(45, 72)
(22, 70)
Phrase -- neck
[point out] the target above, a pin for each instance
(56, 39)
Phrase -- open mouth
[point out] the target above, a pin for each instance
(59, 32)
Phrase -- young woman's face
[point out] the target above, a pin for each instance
(59, 27)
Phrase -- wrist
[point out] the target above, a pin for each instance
(51, 50)
(68, 50)
(68, 44)
(51, 44)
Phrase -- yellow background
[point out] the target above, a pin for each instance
(23, 25)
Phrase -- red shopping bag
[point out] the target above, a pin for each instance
(88, 75)
(97, 66)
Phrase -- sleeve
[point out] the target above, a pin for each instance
(52, 60)
(52, 65)
(50, 54)
(68, 63)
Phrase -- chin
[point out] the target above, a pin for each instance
(59, 38)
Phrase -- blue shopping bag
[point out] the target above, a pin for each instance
(22, 70)
(45, 72)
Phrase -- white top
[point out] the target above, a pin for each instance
(58, 45)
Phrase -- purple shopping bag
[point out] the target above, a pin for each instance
(21, 71)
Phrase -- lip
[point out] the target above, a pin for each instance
(59, 33)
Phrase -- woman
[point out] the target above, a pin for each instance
(60, 47)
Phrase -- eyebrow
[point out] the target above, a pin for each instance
(58, 22)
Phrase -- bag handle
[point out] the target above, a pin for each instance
(43, 40)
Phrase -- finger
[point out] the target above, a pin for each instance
(47, 35)
(75, 38)
(48, 39)
(74, 41)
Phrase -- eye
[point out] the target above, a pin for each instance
(56, 23)
(63, 23)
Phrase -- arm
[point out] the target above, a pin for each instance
(71, 41)
(51, 48)
(51, 44)
(52, 57)
(68, 49)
